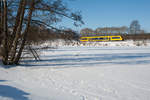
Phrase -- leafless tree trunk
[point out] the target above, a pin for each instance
(19, 29)
(25, 33)
(1, 21)
(17, 18)
(5, 28)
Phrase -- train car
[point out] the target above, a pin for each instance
(101, 38)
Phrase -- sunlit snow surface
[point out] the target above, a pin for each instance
(80, 73)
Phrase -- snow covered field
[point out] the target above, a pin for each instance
(80, 73)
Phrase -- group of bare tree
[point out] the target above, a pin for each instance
(17, 17)
(134, 28)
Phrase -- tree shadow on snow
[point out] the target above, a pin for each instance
(2, 80)
(6, 66)
(12, 92)
(89, 60)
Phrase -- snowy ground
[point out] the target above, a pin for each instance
(80, 73)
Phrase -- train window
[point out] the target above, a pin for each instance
(115, 37)
(83, 38)
(94, 38)
(100, 38)
(105, 38)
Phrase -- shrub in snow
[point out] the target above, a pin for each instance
(141, 43)
(60, 42)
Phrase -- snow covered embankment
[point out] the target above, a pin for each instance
(58, 43)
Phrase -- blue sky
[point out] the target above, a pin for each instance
(108, 13)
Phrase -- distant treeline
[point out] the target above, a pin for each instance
(40, 34)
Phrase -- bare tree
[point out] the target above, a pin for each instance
(86, 32)
(28, 12)
(16, 61)
(134, 27)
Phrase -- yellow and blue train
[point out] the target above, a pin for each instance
(101, 38)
